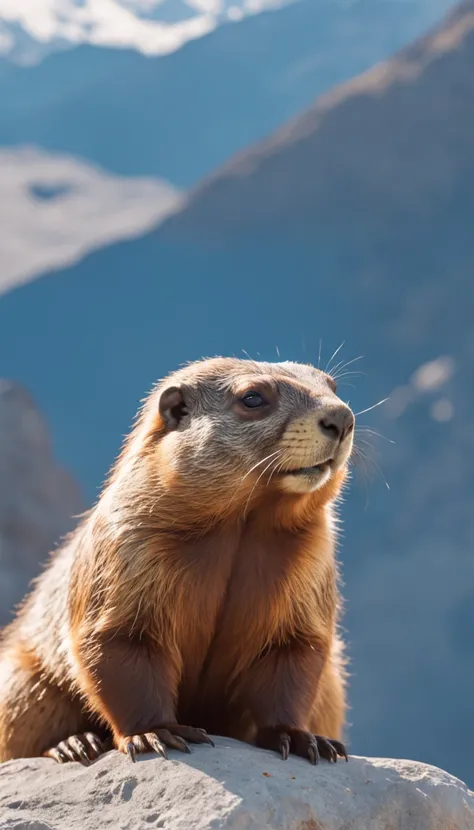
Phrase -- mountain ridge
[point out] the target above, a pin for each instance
(236, 85)
(151, 27)
(313, 134)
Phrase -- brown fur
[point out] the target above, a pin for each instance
(198, 590)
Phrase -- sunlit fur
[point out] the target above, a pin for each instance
(193, 551)
(304, 445)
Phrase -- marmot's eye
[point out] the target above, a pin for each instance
(252, 400)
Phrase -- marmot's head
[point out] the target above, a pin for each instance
(224, 428)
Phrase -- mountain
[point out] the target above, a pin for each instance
(353, 222)
(55, 209)
(153, 27)
(38, 499)
(382, 173)
(180, 115)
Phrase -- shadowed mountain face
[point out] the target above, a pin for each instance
(353, 223)
(369, 157)
(37, 498)
(180, 115)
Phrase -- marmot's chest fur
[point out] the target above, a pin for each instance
(241, 586)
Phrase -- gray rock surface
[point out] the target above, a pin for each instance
(37, 498)
(232, 786)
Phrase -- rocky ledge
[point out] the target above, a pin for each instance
(232, 786)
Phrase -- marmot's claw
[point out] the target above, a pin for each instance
(326, 748)
(79, 751)
(78, 748)
(299, 742)
(95, 743)
(206, 737)
(192, 734)
(171, 735)
(285, 742)
(174, 741)
(56, 755)
(313, 752)
(340, 749)
(156, 744)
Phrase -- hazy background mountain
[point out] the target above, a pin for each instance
(29, 31)
(352, 222)
(180, 115)
(38, 499)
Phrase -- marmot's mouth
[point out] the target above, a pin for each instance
(317, 469)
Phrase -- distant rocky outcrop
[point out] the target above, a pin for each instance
(37, 498)
(232, 786)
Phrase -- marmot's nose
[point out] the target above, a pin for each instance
(337, 422)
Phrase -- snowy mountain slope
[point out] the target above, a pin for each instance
(55, 209)
(180, 115)
(31, 29)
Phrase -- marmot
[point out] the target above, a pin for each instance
(200, 594)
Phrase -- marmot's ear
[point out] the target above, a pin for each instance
(172, 407)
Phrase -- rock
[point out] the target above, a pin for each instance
(37, 498)
(232, 786)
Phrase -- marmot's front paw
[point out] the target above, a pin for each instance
(287, 740)
(171, 735)
(83, 748)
